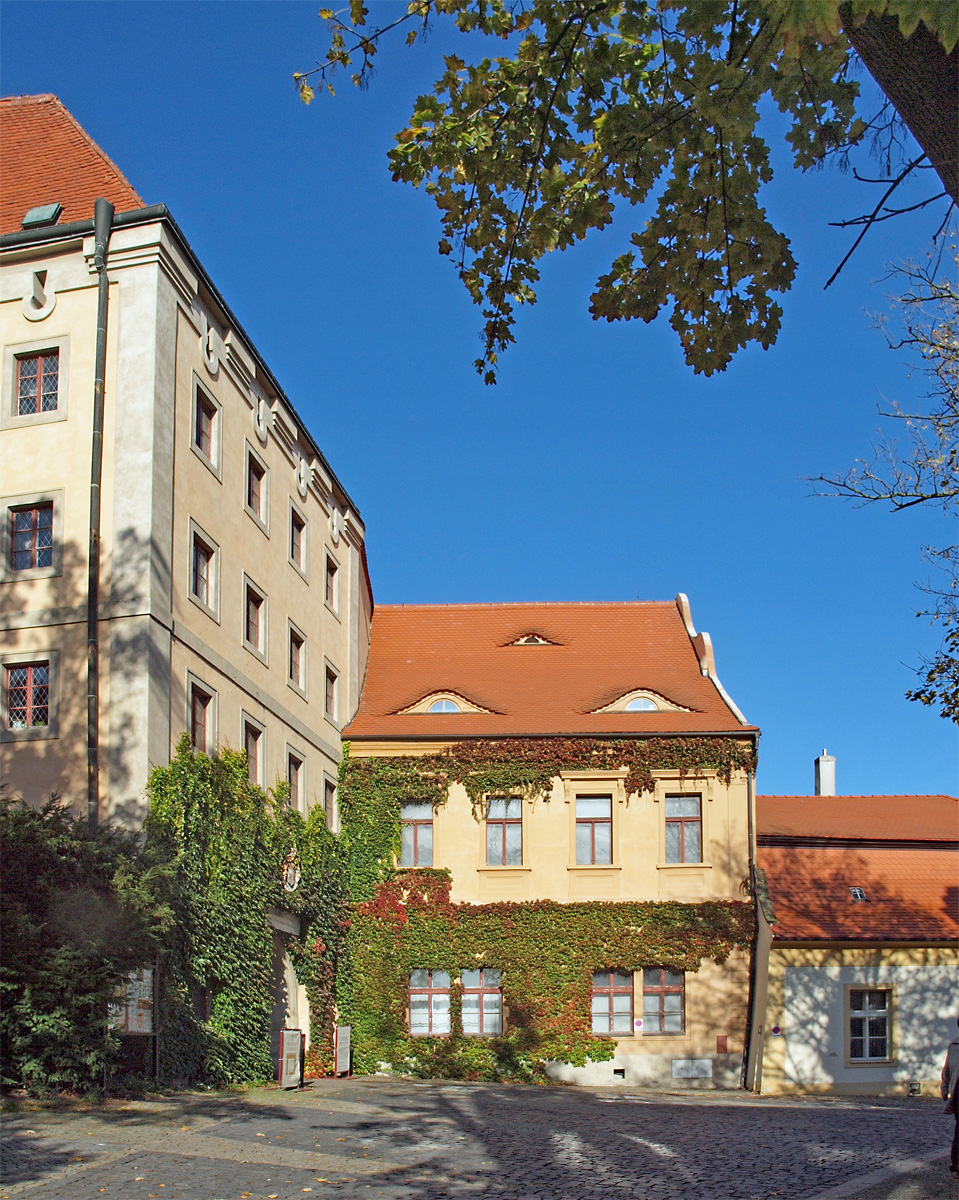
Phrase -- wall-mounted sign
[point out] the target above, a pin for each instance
(132, 1011)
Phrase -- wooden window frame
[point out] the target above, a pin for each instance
(592, 822)
(260, 647)
(255, 768)
(331, 692)
(201, 701)
(414, 823)
(482, 990)
(610, 990)
(34, 549)
(13, 355)
(331, 584)
(40, 357)
(503, 822)
(295, 637)
(31, 659)
(211, 606)
(661, 990)
(296, 777)
(429, 992)
(682, 822)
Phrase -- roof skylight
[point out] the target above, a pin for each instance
(857, 893)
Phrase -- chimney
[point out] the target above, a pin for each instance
(825, 775)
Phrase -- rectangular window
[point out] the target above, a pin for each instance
(297, 660)
(201, 583)
(613, 1003)
(254, 620)
(28, 695)
(204, 426)
(297, 540)
(869, 1012)
(329, 798)
(504, 831)
(684, 829)
(331, 583)
(663, 1000)
(594, 830)
(416, 845)
(294, 777)
(256, 487)
(38, 383)
(252, 738)
(201, 715)
(429, 1003)
(482, 1010)
(329, 694)
(31, 537)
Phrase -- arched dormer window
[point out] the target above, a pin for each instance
(437, 703)
(642, 700)
(444, 705)
(642, 704)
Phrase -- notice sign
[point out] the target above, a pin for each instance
(343, 1033)
(291, 1041)
(132, 1011)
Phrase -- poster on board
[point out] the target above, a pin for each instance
(132, 1011)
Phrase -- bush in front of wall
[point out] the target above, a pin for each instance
(78, 914)
(225, 849)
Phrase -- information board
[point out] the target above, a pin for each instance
(291, 1071)
(132, 1012)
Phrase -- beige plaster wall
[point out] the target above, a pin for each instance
(809, 1054)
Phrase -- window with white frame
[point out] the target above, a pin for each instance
(684, 829)
(594, 830)
(664, 1000)
(416, 834)
(429, 1003)
(870, 1012)
(504, 831)
(612, 1003)
(482, 1002)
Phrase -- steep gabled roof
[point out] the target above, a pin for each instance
(874, 818)
(911, 895)
(48, 158)
(593, 654)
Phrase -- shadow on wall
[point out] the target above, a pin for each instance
(51, 614)
(813, 1002)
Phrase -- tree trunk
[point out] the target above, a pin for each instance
(920, 80)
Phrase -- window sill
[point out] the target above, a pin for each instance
(256, 652)
(211, 466)
(257, 520)
(205, 608)
(598, 868)
(684, 866)
(505, 870)
(857, 1064)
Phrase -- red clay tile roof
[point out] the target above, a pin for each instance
(892, 818)
(601, 652)
(912, 895)
(47, 157)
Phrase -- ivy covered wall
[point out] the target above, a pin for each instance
(547, 951)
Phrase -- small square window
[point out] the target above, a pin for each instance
(31, 537)
(38, 383)
(201, 718)
(331, 583)
(329, 694)
(297, 540)
(664, 993)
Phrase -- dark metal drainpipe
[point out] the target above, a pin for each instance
(102, 222)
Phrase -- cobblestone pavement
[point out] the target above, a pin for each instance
(399, 1139)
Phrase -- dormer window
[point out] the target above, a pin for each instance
(642, 700)
(642, 704)
(444, 706)
(437, 703)
(531, 639)
(857, 893)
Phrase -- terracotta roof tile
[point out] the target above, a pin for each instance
(903, 818)
(912, 895)
(47, 157)
(599, 653)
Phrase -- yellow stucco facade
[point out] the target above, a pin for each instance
(171, 344)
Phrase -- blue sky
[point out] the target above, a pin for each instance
(600, 467)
